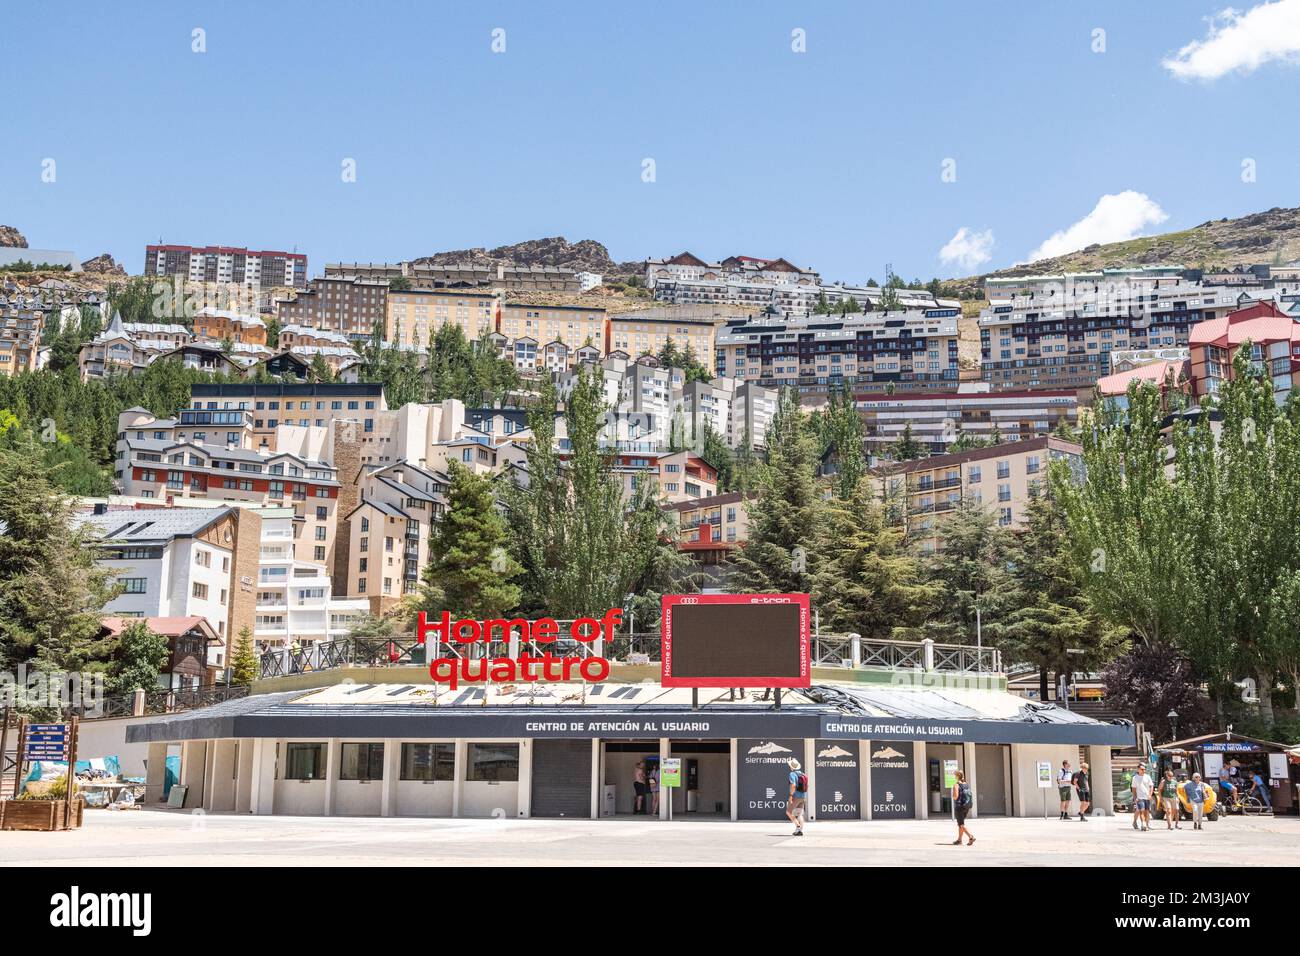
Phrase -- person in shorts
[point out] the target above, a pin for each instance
(640, 788)
(1065, 786)
(794, 808)
(1083, 787)
(1169, 801)
(1196, 793)
(962, 801)
(1143, 786)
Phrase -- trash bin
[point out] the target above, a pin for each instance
(608, 800)
(692, 801)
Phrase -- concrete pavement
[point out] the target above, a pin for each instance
(182, 838)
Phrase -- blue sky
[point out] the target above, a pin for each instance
(830, 157)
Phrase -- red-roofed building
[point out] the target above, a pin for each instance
(1164, 374)
(1274, 339)
(187, 643)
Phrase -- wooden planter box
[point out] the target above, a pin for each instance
(39, 814)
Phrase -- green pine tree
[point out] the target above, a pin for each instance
(244, 665)
(867, 583)
(52, 591)
(469, 571)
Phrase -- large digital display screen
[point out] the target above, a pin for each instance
(736, 640)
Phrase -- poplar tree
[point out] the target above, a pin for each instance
(585, 539)
(1047, 619)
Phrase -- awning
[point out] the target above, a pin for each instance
(635, 711)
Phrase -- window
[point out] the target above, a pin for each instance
(428, 762)
(322, 514)
(200, 591)
(361, 585)
(365, 524)
(135, 585)
(203, 559)
(319, 553)
(493, 763)
(304, 762)
(320, 532)
(362, 762)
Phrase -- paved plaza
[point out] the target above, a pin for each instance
(180, 838)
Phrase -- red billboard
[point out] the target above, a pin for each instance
(736, 640)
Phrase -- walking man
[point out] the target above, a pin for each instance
(1064, 784)
(794, 808)
(1084, 789)
(1142, 788)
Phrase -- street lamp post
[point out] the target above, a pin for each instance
(1173, 722)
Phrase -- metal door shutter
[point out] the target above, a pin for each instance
(562, 778)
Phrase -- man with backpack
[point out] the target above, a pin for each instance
(1083, 788)
(794, 808)
(962, 801)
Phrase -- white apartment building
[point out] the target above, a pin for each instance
(179, 562)
(295, 601)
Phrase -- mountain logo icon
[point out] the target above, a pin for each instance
(835, 750)
(770, 747)
(886, 753)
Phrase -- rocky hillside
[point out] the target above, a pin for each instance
(1272, 236)
(11, 238)
(586, 255)
(104, 264)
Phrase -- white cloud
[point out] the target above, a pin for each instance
(1116, 217)
(968, 249)
(1241, 42)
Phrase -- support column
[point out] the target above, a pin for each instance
(864, 777)
(388, 788)
(155, 772)
(595, 778)
(810, 767)
(194, 763)
(1099, 775)
(525, 779)
(735, 782)
(458, 783)
(919, 782)
(262, 798)
(663, 755)
(968, 768)
(331, 773)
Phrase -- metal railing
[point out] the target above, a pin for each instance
(160, 701)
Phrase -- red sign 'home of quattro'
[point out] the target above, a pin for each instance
(454, 671)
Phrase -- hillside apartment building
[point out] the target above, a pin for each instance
(1058, 340)
(939, 418)
(1003, 478)
(461, 275)
(348, 305)
(873, 351)
(212, 456)
(227, 264)
(1274, 338)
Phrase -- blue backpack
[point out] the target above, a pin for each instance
(964, 798)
